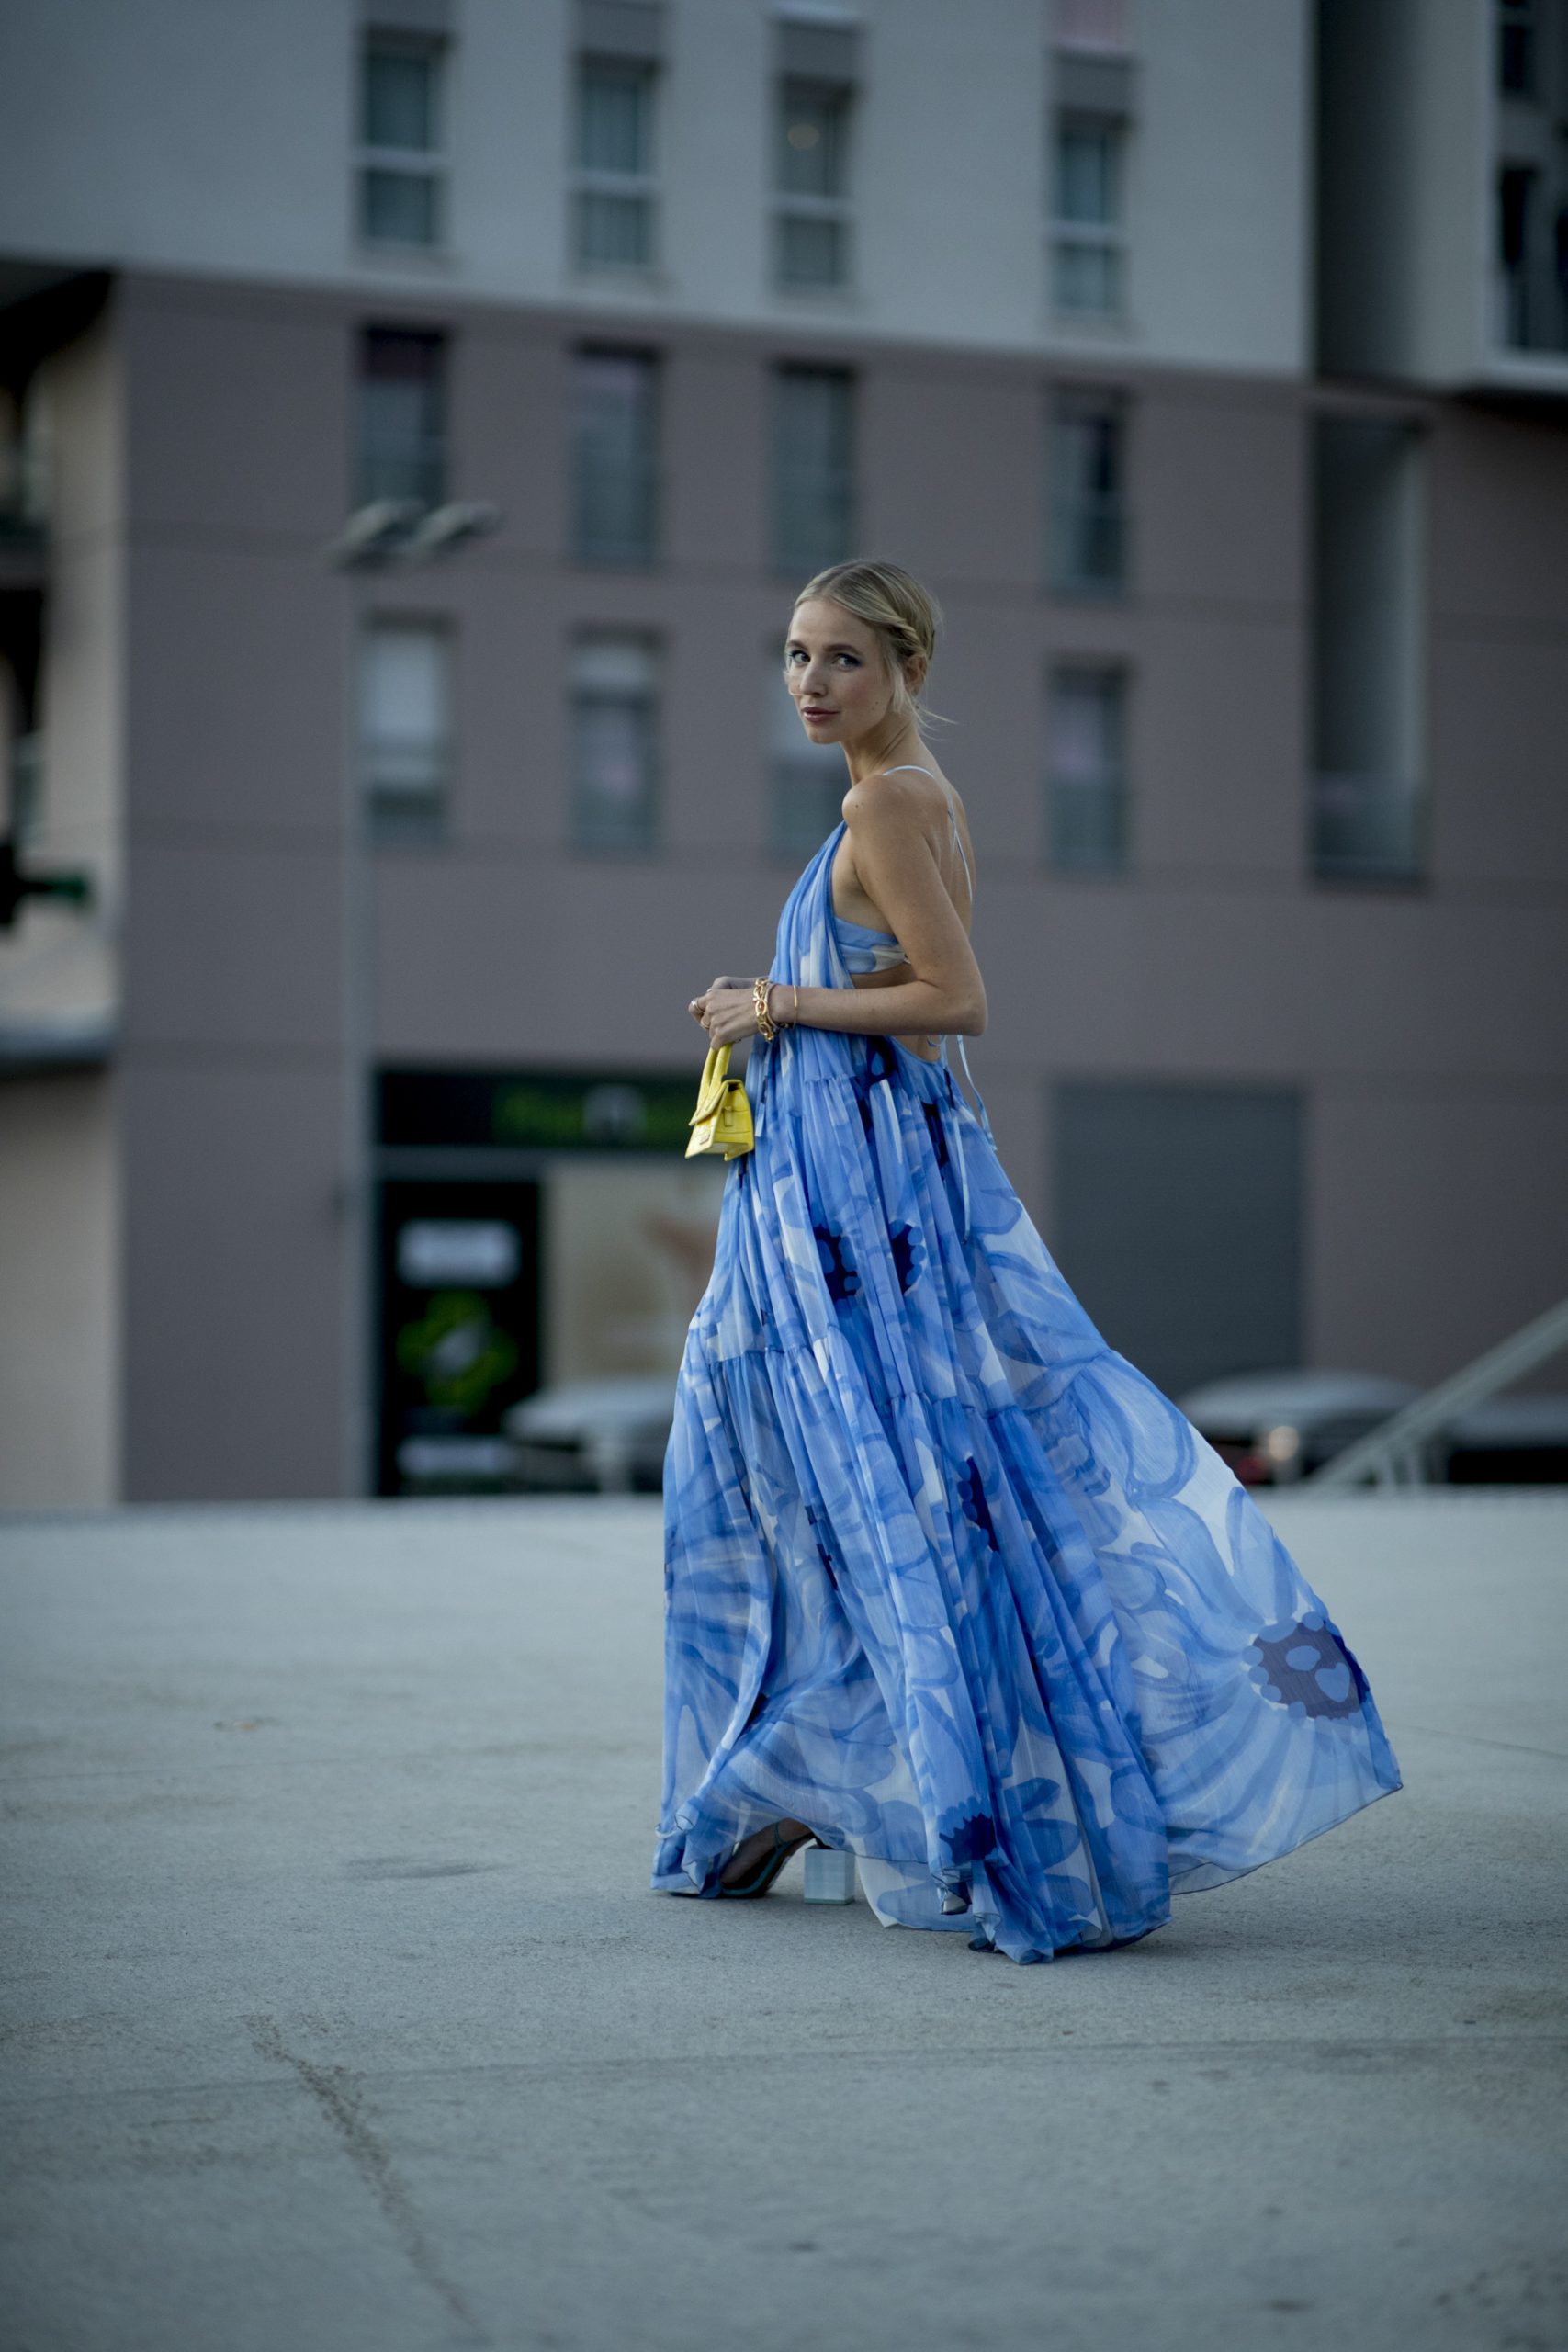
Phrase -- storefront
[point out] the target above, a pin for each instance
(534, 1227)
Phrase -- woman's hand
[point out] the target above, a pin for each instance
(727, 1010)
(698, 1008)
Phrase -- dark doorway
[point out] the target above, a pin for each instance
(457, 1331)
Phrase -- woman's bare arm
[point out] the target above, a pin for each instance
(899, 875)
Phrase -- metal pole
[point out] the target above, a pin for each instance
(356, 1044)
(387, 531)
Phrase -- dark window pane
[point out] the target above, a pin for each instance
(813, 468)
(810, 152)
(1088, 172)
(405, 729)
(1515, 47)
(1087, 764)
(614, 745)
(399, 99)
(400, 207)
(614, 118)
(402, 417)
(615, 429)
(1087, 521)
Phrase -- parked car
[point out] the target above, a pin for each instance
(1270, 1428)
(604, 1436)
(1512, 1442)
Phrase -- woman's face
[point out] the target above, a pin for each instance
(835, 670)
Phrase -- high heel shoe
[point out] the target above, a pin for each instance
(772, 1863)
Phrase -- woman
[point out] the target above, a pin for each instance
(949, 1582)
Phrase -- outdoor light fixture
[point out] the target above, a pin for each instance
(401, 531)
(443, 529)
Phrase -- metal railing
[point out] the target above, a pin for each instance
(1396, 1453)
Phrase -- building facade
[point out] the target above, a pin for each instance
(347, 1110)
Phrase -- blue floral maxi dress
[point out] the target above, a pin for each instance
(945, 1576)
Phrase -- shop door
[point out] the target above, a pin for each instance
(457, 1331)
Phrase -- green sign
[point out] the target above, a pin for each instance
(543, 1110)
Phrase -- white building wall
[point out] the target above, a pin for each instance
(180, 135)
(1221, 254)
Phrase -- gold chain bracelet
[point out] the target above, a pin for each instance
(766, 1025)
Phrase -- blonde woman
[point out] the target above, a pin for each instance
(950, 1584)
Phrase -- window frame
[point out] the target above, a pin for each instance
(796, 561)
(647, 845)
(790, 206)
(1065, 402)
(435, 454)
(391, 820)
(629, 554)
(431, 165)
(1070, 236)
(1111, 784)
(588, 181)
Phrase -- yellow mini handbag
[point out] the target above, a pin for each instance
(721, 1122)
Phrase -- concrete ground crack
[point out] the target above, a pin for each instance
(337, 2094)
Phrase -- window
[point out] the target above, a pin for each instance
(1518, 193)
(1086, 780)
(405, 727)
(1086, 470)
(1088, 237)
(616, 433)
(811, 178)
(403, 416)
(1179, 1208)
(807, 781)
(1367, 648)
(813, 468)
(615, 692)
(1515, 47)
(615, 194)
(1532, 259)
(402, 170)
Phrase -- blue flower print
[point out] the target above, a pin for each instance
(1029, 1650)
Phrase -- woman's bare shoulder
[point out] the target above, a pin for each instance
(892, 796)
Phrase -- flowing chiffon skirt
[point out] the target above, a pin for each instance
(946, 1576)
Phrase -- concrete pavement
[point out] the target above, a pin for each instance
(337, 2014)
